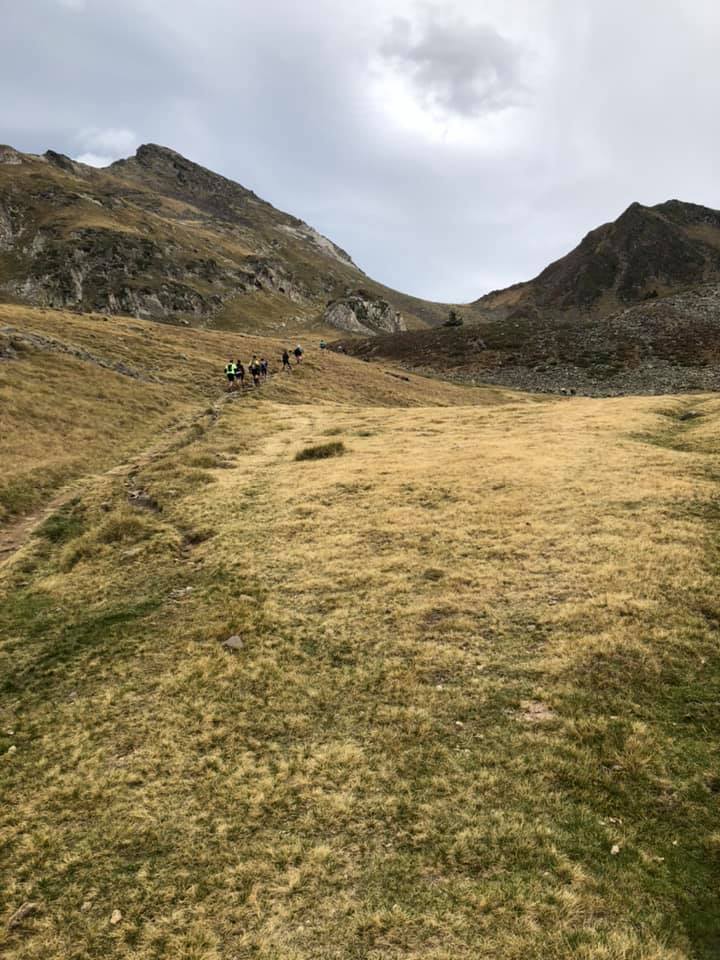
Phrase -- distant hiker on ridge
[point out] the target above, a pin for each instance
(230, 374)
(298, 354)
(286, 361)
(240, 373)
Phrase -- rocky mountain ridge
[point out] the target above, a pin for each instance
(647, 252)
(161, 237)
(634, 308)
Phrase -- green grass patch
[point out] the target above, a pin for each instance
(322, 451)
(66, 524)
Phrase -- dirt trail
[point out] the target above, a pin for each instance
(15, 535)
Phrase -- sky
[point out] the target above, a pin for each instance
(451, 148)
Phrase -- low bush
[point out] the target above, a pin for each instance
(122, 527)
(321, 451)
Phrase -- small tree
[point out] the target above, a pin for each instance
(454, 319)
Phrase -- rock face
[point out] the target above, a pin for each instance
(10, 156)
(359, 312)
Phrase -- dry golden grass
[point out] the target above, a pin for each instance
(473, 716)
(63, 417)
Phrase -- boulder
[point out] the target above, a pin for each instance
(359, 312)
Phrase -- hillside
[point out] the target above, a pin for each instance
(469, 710)
(647, 252)
(81, 393)
(635, 308)
(160, 237)
(669, 345)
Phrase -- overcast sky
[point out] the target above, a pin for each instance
(451, 148)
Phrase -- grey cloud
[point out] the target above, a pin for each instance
(456, 66)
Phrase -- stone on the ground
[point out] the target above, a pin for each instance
(234, 643)
(535, 711)
(22, 911)
(180, 593)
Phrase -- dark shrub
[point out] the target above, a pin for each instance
(323, 450)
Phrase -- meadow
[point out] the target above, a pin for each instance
(470, 710)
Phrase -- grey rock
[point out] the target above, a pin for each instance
(182, 592)
(234, 643)
(143, 501)
(359, 312)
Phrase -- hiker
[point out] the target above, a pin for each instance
(255, 370)
(298, 354)
(323, 345)
(230, 374)
(286, 361)
(263, 368)
(240, 373)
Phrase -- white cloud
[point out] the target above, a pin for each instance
(94, 160)
(115, 141)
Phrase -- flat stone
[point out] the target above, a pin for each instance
(234, 643)
(182, 592)
(23, 911)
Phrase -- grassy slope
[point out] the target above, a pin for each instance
(479, 654)
(63, 416)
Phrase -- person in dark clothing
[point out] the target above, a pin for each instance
(286, 361)
(255, 371)
(240, 373)
(298, 354)
(263, 368)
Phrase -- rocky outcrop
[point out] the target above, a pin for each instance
(359, 312)
(309, 235)
(63, 162)
(10, 156)
(110, 271)
(11, 220)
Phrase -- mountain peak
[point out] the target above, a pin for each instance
(155, 156)
(149, 149)
(169, 172)
(648, 251)
(150, 153)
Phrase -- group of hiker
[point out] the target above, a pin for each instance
(258, 368)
